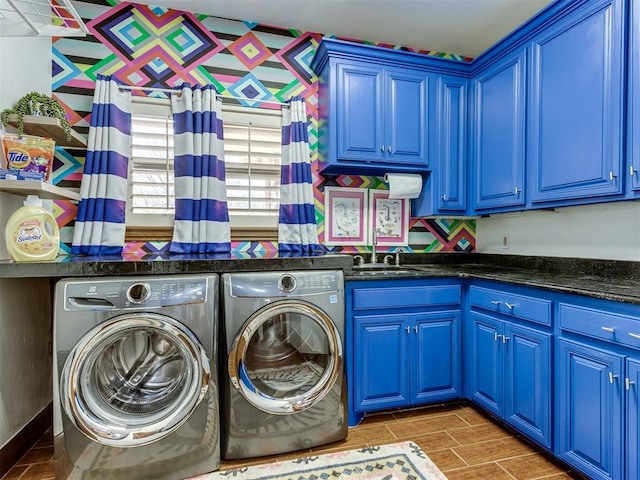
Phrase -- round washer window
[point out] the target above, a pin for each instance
(134, 379)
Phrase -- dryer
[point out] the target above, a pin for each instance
(282, 382)
(135, 377)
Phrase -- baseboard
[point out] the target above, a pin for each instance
(25, 439)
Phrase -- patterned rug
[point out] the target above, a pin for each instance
(397, 461)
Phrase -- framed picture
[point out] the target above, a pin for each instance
(389, 219)
(345, 211)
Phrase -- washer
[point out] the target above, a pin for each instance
(282, 382)
(135, 377)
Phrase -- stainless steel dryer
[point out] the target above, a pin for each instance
(135, 377)
(282, 382)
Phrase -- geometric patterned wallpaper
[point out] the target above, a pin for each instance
(156, 47)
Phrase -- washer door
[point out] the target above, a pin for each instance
(286, 357)
(134, 379)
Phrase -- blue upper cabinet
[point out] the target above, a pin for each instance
(381, 115)
(360, 100)
(376, 107)
(576, 105)
(498, 143)
(445, 190)
(633, 130)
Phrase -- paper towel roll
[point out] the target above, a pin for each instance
(404, 185)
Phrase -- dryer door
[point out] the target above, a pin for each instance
(286, 357)
(134, 379)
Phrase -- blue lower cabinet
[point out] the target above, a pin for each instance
(590, 409)
(509, 368)
(404, 359)
(632, 383)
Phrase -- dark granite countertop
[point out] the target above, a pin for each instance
(605, 279)
(179, 264)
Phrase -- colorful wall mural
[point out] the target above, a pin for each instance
(156, 47)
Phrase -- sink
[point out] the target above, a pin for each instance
(389, 271)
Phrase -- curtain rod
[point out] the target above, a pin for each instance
(222, 97)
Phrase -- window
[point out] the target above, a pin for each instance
(252, 160)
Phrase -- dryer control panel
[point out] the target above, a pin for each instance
(136, 293)
(285, 284)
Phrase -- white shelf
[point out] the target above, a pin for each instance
(20, 18)
(51, 127)
(42, 189)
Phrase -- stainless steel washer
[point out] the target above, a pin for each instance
(135, 377)
(282, 382)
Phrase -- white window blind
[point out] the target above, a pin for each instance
(252, 157)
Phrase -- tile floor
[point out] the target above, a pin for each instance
(463, 442)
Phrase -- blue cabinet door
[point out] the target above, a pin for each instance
(589, 411)
(380, 359)
(633, 102)
(486, 366)
(435, 359)
(576, 105)
(452, 147)
(360, 107)
(528, 381)
(632, 384)
(498, 146)
(406, 117)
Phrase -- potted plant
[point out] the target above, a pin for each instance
(34, 103)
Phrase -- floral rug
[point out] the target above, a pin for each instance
(397, 461)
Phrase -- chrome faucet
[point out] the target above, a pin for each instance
(358, 260)
(373, 250)
(387, 259)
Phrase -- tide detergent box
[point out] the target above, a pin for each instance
(27, 153)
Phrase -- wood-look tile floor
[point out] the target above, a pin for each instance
(462, 441)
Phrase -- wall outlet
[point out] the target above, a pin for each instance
(506, 241)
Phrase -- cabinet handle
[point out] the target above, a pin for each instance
(496, 336)
(635, 335)
(516, 191)
(382, 148)
(389, 149)
(408, 329)
(444, 197)
(504, 339)
(415, 328)
(496, 302)
(612, 176)
(608, 329)
(632, 171)
(509, 305)
(628, 383)
(612, 376)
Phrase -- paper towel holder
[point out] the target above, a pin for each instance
(404, 185)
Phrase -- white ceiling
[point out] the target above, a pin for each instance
(466, 27)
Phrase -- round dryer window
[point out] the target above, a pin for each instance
(134, 379)
(286, 357)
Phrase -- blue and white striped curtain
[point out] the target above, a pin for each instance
(100, 223)
(202, 216)
(297, 230)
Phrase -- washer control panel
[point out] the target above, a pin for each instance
(136, 293)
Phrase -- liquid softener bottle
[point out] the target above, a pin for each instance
(32, 234)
